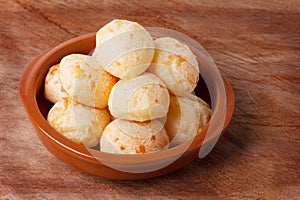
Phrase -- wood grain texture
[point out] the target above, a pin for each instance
(256, 45)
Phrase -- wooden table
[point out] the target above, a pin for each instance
(256, 45)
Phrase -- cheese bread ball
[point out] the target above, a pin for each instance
(140, 99)
(81, 124)
(84, 79)
(186, 117)
(176, 65)
(128, 137)
(53, 90)
(124, 48)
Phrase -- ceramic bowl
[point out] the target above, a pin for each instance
(117, 166)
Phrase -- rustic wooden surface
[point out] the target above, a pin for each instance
(256, 45)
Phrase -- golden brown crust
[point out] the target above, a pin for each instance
(175, 64)
(140, 99)
(85, 80)
(81, 124)
(53, 90)
(186, 117)
(128, 137)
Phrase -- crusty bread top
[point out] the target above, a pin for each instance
(175, 47)
(122, 136)
(81, 124)
(124, 48)
(53, 90)
(186, 117)
(115, 27)
(84, 79)
(176, 65)
(141, 98)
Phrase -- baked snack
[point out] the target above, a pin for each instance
(186, 117)
(140, 99)
(53, 90)
(124, 48)
(175, 64)
(81, 124)
(144, 118)
(84, 79)
(128, 137)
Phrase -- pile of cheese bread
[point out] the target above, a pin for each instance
(132, 95)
